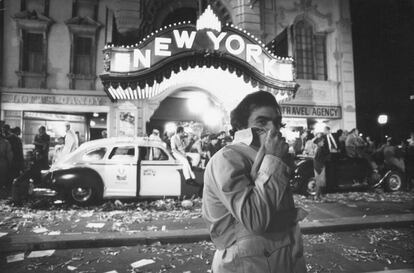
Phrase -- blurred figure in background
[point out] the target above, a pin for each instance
(341, 141)
(409, 161)
(17, 131)
(71, 141)
(310, 147)
(178, 151)
(370, 145)
(354, 144)
(299, 143)
(392, 154)
(193, 150)
(17, 164)
(205, 153)
(104, 133)
(6, 157)
(155, 135)
(58, 149)
(330, 142)
(42, 142)
(78, 137)
(319, 163)
(214, 144)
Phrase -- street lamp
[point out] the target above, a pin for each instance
(382, 120)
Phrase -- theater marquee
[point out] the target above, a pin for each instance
(130, 71)
(311, 111)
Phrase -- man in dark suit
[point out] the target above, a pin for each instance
(330, 142)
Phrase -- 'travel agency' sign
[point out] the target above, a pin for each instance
(207, 37)
(311, 111)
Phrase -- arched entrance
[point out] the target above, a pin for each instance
(191, 107)
(200, 95)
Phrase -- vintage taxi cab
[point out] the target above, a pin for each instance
(118, 168)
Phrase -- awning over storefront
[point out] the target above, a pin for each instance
(136, 72)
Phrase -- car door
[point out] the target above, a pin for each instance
(159, 173)
(121, 171)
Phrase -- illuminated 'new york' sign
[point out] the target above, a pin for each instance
(184, 39)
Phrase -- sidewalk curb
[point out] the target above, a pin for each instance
(405, 270)
(12, 243)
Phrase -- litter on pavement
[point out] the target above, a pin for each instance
(95, 225)
(142, 263)
(15, 258)
(41, 253)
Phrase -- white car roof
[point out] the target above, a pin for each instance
(141, 141)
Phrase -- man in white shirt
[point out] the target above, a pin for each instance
(178, 151)
(71, 140)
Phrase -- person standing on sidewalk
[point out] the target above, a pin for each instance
(6, 157)
(17, 164)
(247, 202)
(42, 142)
(319, 162)
(71, 141)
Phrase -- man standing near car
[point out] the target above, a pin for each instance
(18, 162)
(247, 202)
(42, 142)
(71, 140)
(6, 157)
(178, 151)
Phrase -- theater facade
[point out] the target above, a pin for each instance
(129, 66)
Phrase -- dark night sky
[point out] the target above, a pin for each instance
(383, 44)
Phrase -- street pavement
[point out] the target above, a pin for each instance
(127, 226)
(355, 251)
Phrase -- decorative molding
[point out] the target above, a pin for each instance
(208, 20)
(344, 23)
(32, 21)
(82, 25)
(306, 7)
(128, 15)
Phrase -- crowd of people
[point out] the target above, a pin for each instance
(324, 145)
(195, 149)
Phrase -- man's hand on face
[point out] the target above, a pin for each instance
(275, 144)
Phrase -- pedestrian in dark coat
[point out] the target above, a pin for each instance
(17, 163)
(6, 157)
(319, 165)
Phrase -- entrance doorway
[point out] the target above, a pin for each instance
(194, 109)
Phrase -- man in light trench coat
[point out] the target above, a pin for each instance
(247, 202)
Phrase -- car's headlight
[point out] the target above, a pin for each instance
(44, 172)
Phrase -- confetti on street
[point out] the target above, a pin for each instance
(41, 253)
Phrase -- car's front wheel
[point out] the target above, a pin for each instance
(84, 194)
(394, 182)
(310, 186)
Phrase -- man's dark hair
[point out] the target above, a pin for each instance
(240, 115)
(16, 130)
(180, 129)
